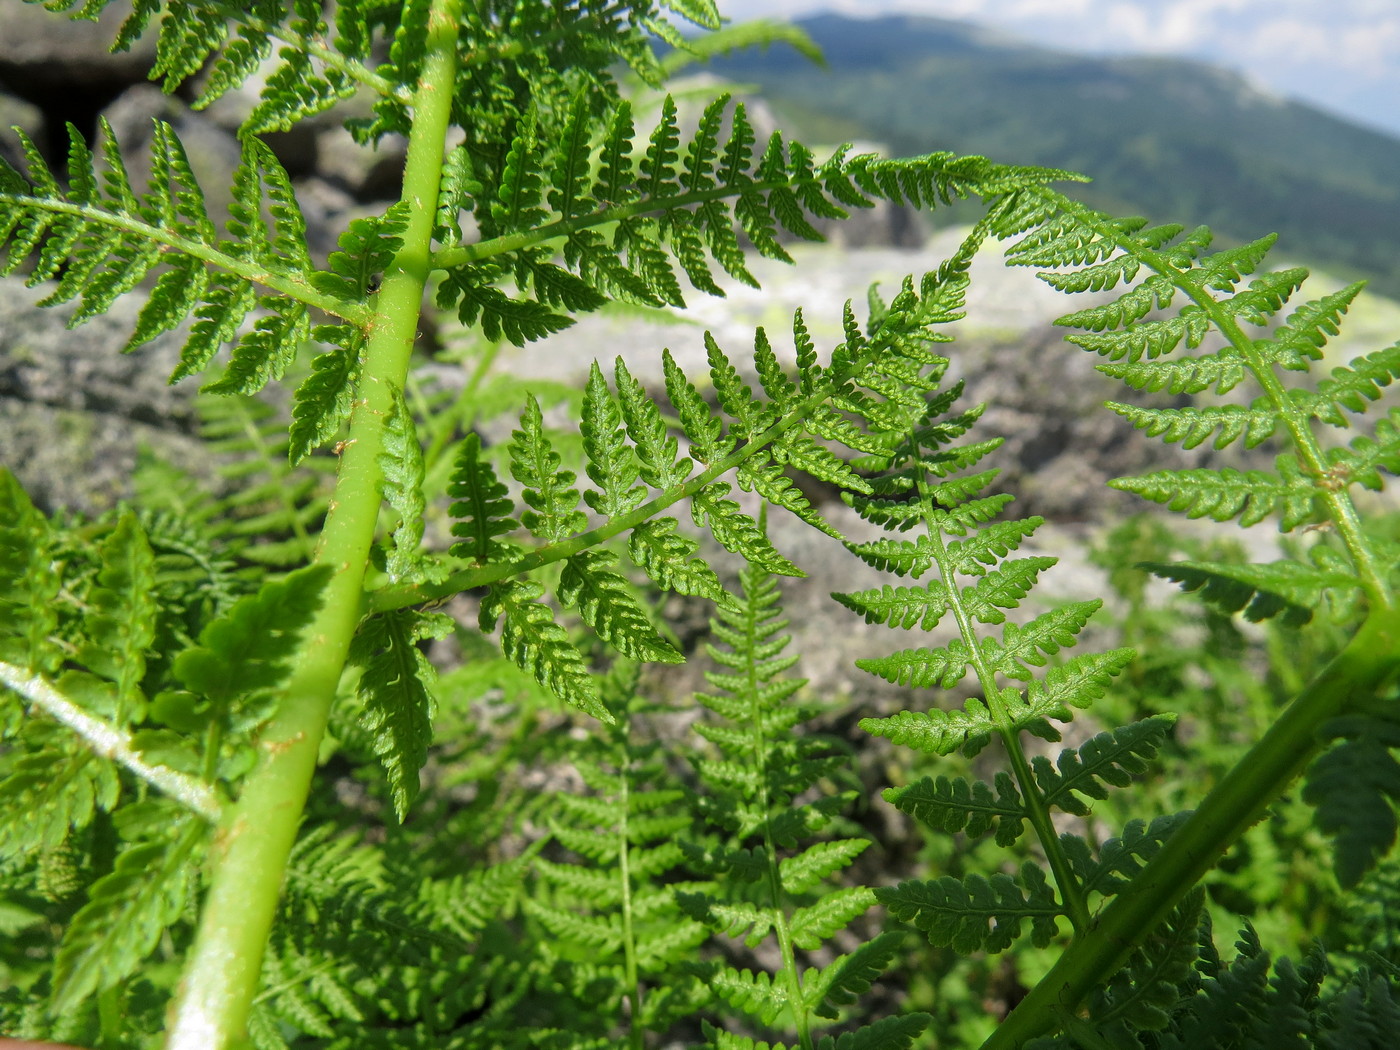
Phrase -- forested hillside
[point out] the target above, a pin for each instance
(1160, 136)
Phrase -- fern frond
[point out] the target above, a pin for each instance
(396, 691)
(1227, 494)
(57, 786)
(960, 805)
(819, 922)
(752, 993)
(667, 557)
(482, 506)
(102, 245)
(1352, 387)
(612, 466)
(1141, 996)
(976, 913)
(606, 604)
(922, 668)
(842, 981)
(128, 910)
(1114, 757)
(549, 488)
(1288, 590)
(1047, 634)
(248, 650)
(935, 732)
(1191, 426)
(1354, 788)
(401, 466)
(532, 639)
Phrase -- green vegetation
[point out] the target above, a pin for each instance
(1160, 136)
(241, 804)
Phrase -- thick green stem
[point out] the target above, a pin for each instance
(255, 838)
(1236, 803)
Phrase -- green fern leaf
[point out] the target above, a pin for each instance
(1154, 293)
(519, 320)
(757, 474)
(922, 668)
(1191, 426)
(819, 922)
(1142, 995)
(611, 464)
(844, 980)
(900, 607)
(938, 732)
(226, 304)
(1226, 494)
(28, 584)
(249, 649)
(1288, 590)
(605, 602)
(977, 913)
(1114, 757)
(888, 1033)
(804, 871)
(482, 506)
(266, 352)
(1301, 338)
(989, 543)
(701, 426)
(1352, 387)
(1224, 369)
(401, 464)
(1003, 588)
(321, 405)
(750, 922)
(1122, 857)
(667, 557)
(1148, 339)
(128, 911)
(747, 415)
(754, 994)
(660, 463)
(960, 805)
(1366, 455)
(1353, 788)
(396, 691)
(736, 532)
(901, 557)
(51, 790)
(548, 487)
(1077, 683)
(1047, 634)
(121, 620)
(364, 251)
(539, 646)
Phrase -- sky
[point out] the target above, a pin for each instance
(1339, 55)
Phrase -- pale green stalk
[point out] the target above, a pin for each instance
(254, 840)
(1238, 801)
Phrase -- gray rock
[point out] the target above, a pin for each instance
(53, 60)
(76, 410)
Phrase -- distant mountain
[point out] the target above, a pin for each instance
(1174, 140)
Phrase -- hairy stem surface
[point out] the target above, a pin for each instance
(255, 838)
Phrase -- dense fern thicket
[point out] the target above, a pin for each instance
(243, 804)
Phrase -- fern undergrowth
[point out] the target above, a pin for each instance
(376, 764)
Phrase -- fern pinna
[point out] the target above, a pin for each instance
(1346, 568)
(772, 878)
(616, 942)
(927, 482)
